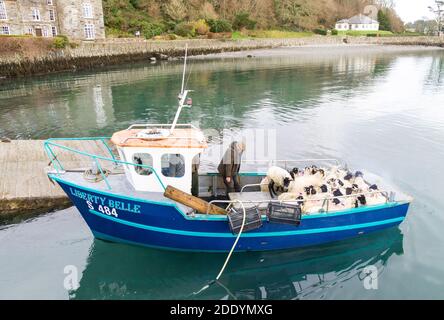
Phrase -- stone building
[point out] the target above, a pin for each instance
(76, 19)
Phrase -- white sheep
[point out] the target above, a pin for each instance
(375, 198)
(278, 177)
(299, 183)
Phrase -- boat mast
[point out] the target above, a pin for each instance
(183, 93)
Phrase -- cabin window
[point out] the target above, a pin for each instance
(173, 165)
(143, 159)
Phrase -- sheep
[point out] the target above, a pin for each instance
(360, 183)
(308, 204)
(335, 173)
(299, 184)
(375, 198)
(313, 206)
(294, 172)
(264, 184)
(289, 196)
(278, 177)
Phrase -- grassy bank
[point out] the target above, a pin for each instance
(269, 34)
(356, 33)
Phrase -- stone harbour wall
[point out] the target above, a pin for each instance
(90, 55)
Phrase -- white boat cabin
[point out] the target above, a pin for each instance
(169, 152)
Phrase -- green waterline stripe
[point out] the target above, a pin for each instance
(246, 235)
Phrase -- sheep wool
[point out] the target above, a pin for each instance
(299, 184)
(278, 175)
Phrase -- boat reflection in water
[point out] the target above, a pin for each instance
(119, 271)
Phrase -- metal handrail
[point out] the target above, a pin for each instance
(287, 161)
(325, 199)
(291, 160)
(253, 185)
(59, 167)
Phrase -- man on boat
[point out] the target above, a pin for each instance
(230, 165)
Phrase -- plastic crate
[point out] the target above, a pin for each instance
(252, 219)
(284, 213)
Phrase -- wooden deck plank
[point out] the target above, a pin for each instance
(23, 178)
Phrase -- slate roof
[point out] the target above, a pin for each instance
(359, 19)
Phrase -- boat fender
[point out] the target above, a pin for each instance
(324, 188)
(348, 191)
(373, 187)
(340, 182)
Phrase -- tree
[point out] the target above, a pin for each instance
(439, 11)
(175, 10)
(384, 22)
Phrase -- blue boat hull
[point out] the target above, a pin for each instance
(163, 225)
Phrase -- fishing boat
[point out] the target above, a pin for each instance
(140, 193)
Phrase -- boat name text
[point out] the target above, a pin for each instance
(105, 204)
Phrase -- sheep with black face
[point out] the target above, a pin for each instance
(279, 178)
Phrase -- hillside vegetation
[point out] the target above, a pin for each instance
(206, 18)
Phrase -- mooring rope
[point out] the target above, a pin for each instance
(229, 254)
(88, 175)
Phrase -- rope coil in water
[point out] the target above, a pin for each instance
(229, 254)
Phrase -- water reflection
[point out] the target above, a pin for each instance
(232, 92)
(116, 271)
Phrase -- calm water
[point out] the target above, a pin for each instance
(382, 110)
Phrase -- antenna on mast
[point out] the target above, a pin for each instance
(183, 102)
(184, 68)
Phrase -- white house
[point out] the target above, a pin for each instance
(360, 23)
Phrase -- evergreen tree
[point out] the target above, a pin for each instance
(384, 21)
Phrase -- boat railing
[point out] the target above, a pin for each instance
(389, 197)
(287, 163)
(56, 163)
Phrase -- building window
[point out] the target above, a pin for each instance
(45, 32)
(30, 31)
(89, 31)
(87, 10)
(35, 14)
(3, 15)
(51, 15)
(173, 165)
(54, 31)
(49, 2)
(5, 30)
(143, 159)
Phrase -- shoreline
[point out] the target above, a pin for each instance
(111, 52)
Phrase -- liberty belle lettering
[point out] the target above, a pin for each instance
(116, 204)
